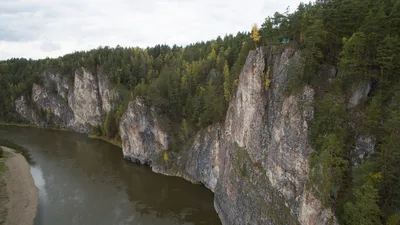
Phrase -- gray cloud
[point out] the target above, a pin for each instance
(50, 46)
(41, 28)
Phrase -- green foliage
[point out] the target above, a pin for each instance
(364, 209)
(110, 125)
(16, 79)
(9, 144)
(190, 88)
(267, 78)
(373, 118)
(355, 36)
(175, 80)
(352, 62)
(227, 82)
(394, 219)
(295, 79)
(48, 115)
(389, 157)
(329, 167)
(184, 130)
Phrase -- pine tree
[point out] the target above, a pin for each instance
(227, 83)
(365, 209)
(184, 130)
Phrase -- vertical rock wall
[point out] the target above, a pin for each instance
(256, 163)
(77, 103)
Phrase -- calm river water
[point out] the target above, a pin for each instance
(86, 181)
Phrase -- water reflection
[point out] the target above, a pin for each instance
(86, 181)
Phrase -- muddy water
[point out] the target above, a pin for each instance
(85, 181)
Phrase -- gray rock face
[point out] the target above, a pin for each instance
(364, 147)
(22, 108)
(142, 138)
(108, 93)
(50, 102)
(77, 104)
(57, 83)
(203, 159)
(244, 121)
(359, 93)
(257, 162)
(85, 101)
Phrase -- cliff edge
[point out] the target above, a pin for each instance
(256, 163)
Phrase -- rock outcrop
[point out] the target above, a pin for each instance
(256, 163)
(108, 92)
(22, 108)
(142, 138)
(77, 103)
(359, 93)
(85, 101)
(52, 103)
(364, 148)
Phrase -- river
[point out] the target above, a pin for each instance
(86, 181)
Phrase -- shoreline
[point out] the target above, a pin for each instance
(111, 141)
(22, 195)
(93, 136)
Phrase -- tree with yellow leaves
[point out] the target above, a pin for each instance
(255, 35)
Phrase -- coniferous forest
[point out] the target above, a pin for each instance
(192, 86)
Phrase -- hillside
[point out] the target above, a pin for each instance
(321, 86)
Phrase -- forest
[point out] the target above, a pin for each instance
(192, 86)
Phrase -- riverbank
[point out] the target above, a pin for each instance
(111, 141)
(19, 195)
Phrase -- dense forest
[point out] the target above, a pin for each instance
(193, 82)
(192, 85)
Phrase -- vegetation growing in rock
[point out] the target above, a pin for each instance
(180, 82)
(361, 39)
(255, 35)
(192, 85)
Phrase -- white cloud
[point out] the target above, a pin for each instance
(49, 28)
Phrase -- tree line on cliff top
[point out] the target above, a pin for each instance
(192, 86)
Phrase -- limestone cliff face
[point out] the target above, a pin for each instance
(256, 163)
(142, 138)
(85, 101)
(22, 108)
(51, 102)
(108, 92)
(77, 103)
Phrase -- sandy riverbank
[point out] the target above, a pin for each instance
(21, 200)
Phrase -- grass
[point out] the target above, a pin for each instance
(111, 141)
(9, 144)
(32, 125)
(17, 124)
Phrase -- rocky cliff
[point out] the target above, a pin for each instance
(141, 135)
(256, 163)
(77, 103)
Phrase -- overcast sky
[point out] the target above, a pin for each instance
(41, 28)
